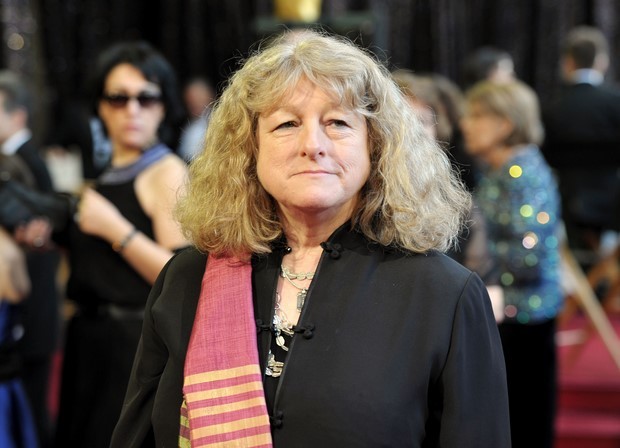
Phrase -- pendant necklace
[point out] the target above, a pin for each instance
(281, 325)
(303, 292)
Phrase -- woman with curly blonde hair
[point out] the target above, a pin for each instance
(316, 308)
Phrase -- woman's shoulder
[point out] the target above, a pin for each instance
(161, 182)
(529, 170)
(185, 264)
(432, 263)
(437, 264)
(181, 276)
(529, 157)
(188, 260)
(433, 281)
(170, 166)
(426, 267)
(173, 299)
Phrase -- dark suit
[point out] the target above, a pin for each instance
(39, 312)
(404, 352)
(583, 146)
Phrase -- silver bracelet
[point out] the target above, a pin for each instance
(118, 246)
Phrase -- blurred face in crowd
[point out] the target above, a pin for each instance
(10, 122)
(131, 108)
(313, 155)
(483, 131)
(198, 95)
(426, 114)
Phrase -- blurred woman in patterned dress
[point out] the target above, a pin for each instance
(518, 196)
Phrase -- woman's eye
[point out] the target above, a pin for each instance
(339, 123)
(288, 124)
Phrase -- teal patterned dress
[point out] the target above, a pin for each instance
(521, 204)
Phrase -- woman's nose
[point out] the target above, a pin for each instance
(313, 140)
(133, 106)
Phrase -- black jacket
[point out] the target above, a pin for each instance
(404, 353)
(582, 143)
(582, 127)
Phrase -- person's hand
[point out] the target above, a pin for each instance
(97, 216)
(35, 234)
(14, 280)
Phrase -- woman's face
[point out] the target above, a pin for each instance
(131, 123)
(483, 131)
(426, 114)
(313, 155)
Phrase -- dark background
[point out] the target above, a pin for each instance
(53, 43)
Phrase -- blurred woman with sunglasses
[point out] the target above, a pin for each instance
(123, 234)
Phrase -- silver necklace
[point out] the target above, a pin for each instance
(290, 276)
(296, 276)
(281, 326)
(274, 368)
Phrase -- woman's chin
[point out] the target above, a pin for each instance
(325, 209)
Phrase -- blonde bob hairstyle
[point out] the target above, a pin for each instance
(516, 102)
(411, 200)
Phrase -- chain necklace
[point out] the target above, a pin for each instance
(290, 276)
(295, 276)
(281, 326)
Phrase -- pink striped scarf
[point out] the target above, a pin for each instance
(224, 402)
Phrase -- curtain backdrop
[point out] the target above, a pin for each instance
(208, 37)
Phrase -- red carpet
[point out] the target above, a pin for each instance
(589, 399)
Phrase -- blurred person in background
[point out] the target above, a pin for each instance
(38, 316)
(198, 95)
(443, 102)
(122, 235)
(453, 101)
(518, 197)
(582, 143)
(17, 429)
(424, 95)
(488, 63)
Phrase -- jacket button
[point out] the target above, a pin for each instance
(307, 331)
(276, 421)
(334, 255)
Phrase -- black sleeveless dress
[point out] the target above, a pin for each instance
(102, 336)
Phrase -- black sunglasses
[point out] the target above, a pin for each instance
(120, 100)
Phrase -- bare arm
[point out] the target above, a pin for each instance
(157, 190)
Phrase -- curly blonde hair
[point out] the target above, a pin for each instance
(412, 199)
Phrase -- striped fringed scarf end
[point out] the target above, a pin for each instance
(184, 441)
(224, 401)
(229, 408)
